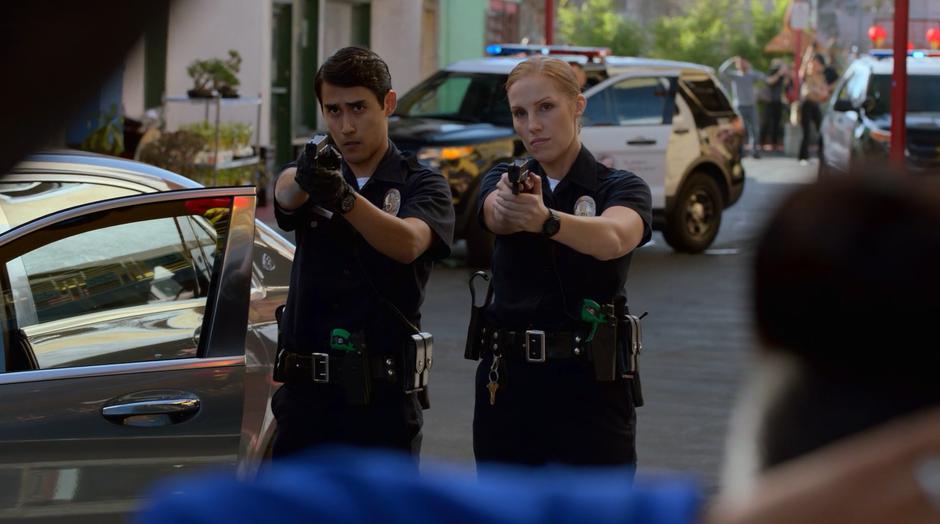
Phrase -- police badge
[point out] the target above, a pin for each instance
(585, 207)
(392, 202)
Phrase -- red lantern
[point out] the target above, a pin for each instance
(877, 35)
(933, 37)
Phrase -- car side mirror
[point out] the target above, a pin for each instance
(843, 106)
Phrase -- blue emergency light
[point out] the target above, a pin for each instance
(913, 53)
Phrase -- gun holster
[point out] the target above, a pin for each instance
(279, 351)
(604, 346)
(631, 344)
(476, 331)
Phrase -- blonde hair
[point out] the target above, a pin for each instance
(558, 71)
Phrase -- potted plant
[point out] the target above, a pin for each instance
(215, 76)
(224, 79)
(201, 73)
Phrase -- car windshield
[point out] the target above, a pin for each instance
(921, 94)
(465, 97)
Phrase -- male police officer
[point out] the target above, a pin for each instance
(367, 233)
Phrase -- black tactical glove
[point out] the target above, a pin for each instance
(319, 173)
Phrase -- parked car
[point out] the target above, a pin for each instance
(669, 122)
(138, 333)
(856, 126)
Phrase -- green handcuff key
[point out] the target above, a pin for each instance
(592, 314)
(341, 340)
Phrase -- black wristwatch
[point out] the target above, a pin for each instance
(551, 225)
(347, 200)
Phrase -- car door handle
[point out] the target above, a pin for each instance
(641, 141)
(148, 411)
(681, 131)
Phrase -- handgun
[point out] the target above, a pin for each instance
(518, 174)
(321, 154)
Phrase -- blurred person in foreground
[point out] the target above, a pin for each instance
(847, 296)
(866, 479)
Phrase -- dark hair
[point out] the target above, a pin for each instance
(355, 67)
(847, 275)
(847, 282)
(820, 58)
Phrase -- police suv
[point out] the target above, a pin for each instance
(669, 122)
(856, 126)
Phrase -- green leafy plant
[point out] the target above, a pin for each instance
(108, 137)
(175, 151)
(215, 74)
(710, 31)
(595, 23)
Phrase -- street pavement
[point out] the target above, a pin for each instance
(698, 337)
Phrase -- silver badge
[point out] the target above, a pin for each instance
(392, 202)
(585, 207)
(267, 262)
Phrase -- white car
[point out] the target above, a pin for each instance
(856, 125)
(669, 122)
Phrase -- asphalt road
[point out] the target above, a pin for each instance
(698, 337)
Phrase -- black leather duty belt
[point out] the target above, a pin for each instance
(331, 368)
(532, 344)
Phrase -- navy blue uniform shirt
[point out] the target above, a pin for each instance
(541, 283)
(338, 280)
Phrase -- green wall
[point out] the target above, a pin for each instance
(462, 29)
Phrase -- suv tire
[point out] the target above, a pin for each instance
(696, 217)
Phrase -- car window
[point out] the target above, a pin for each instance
(144, 280)
(639, 101)
(465, 97)
(921, 94)
(857, 86)
(598, 111)
(844, 95)
(706, 96)
(21, 202)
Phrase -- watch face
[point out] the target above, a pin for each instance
(347, 202)
(551, 225)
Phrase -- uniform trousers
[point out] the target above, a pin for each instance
(313, 414)
(553, 412)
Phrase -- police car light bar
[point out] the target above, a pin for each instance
(592, 53)
(913, 53)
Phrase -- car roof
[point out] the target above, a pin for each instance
(613, 64)
(121, 169)
(915, 65)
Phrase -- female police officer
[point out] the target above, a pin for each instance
(562, 243)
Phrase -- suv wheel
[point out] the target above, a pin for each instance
(696, 217)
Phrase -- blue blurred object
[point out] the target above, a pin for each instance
(343, 485)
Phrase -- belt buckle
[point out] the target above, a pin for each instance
(534, 345)
(320, 367)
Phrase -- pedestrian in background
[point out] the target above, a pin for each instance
(742, 79)
(367, 230)
(771, 133)
(563, 248)
(814, 91)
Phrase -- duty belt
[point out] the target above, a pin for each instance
(532, 344)
(327, 368)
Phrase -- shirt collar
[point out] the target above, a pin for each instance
(388, 170)
(583, 172)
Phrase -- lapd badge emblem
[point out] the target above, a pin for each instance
(267, 262)
(392, 202)
(585, 207)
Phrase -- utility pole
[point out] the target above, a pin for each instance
(899, 85)
(549, 22)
